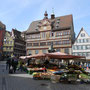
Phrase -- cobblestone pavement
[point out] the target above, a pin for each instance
(23, 81)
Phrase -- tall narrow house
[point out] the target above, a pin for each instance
(8, 44)
(81, 45)
(19, 43)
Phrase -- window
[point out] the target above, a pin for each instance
(81, 54)
(42, 43)
(82, 34)
(84, 54)
(76, 41)
(29, 52)
(73, 47)
(44, 51)
(57, 26)
(84, 47)
(52, 34)
(6, 48)
(66, 50)
(36, 28)
(88, 54)
(58, 50)
(58, 34)
(65, 33)
(58, 21)
(29, 44)
(79, 47)
(76, 47)
(85, 40)
(48, 43)
(89, 40)
(36, 51)
(35, 44)
(88, 47)
(73, 53)
(7, 42)
(43, 34)
(66, 42)
(10, 42)
(79, 40)
(68, 32)
(57, 43)
(34, 36)
(10, 48)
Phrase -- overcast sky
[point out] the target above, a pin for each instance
(20, 13)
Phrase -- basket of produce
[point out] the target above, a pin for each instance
(36, 76)
(85, 77)
(55, 78)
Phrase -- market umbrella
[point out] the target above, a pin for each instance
(60, 55)
(22, 57)
(36, 56)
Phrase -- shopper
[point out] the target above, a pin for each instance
(14, 64)
(8, 63)
(21, 65)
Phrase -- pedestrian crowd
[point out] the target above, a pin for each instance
(12, 64)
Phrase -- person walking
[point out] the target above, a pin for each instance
(8, 63)
(14, 64)
(21, 65)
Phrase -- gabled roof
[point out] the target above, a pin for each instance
(64, 22)
(17, 34)
(8, 32)
(81, 31)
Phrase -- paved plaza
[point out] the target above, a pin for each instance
(23, 81)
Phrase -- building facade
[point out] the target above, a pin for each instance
(42, 33)
(19, 43)
(14, 44)
(81, 45)
(2, 32)
(8, 44)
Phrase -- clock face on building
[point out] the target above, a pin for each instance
(45, 22)
(44, 27)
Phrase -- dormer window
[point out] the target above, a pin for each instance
(38, 25)
(57, 26)
(82, 34)
(58, 21)
(39, 22)
(36, 28)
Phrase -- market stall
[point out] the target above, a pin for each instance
(43, 68)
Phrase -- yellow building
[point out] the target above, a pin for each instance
(41, 34)
(8, 44)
